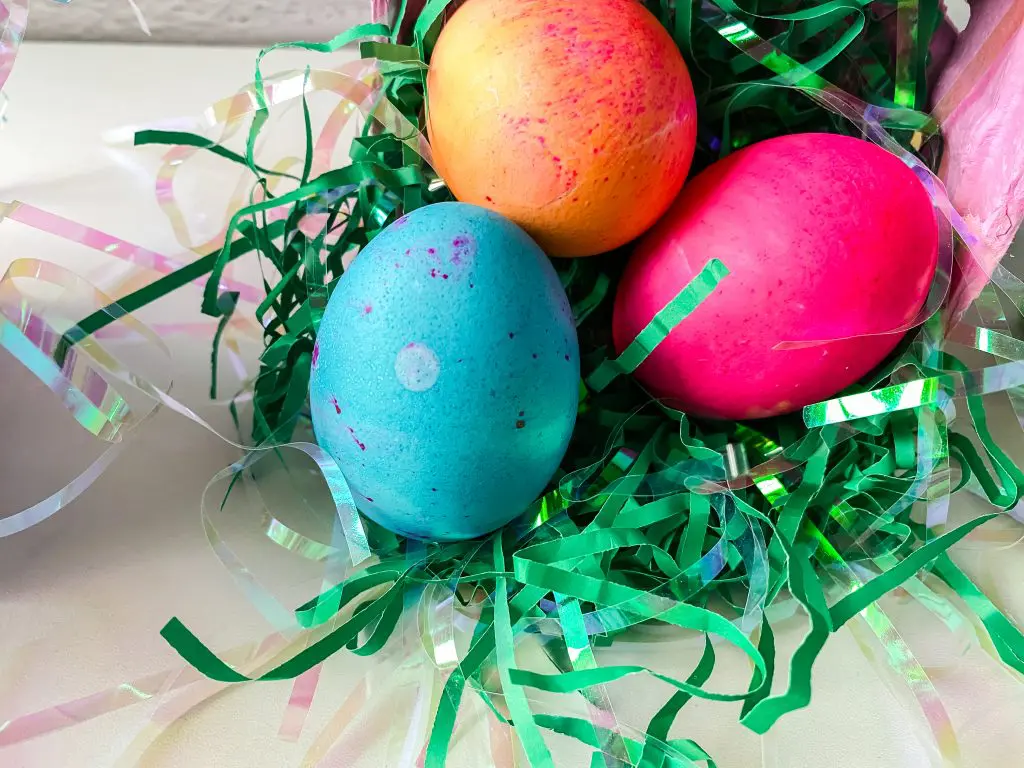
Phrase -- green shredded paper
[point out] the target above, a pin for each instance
(656, 517)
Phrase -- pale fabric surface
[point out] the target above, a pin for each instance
(220, 22)
(212, 22)
(83, 596)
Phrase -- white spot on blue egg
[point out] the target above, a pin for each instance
(417, 367)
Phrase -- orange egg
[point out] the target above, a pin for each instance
(576, 120)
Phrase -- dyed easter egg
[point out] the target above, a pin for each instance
(446, 372)
(576, 120)
(826, 238)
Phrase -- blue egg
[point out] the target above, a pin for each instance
(446, 372)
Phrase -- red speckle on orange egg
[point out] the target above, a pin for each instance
(549, 66)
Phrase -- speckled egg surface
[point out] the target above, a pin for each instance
(446, 371)
(827, 238)
(575, 119)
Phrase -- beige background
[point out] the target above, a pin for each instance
(223, 22)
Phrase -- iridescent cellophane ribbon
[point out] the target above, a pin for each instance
(717, 530)
(13, 20)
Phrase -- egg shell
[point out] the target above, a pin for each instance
(446, 373)
(826, 237)
(577, 120)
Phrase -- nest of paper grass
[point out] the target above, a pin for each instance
(657, 516)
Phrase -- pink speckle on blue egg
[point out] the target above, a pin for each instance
(360, 443)
(463, 250)
(464, 341)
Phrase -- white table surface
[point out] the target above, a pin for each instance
(84, 595)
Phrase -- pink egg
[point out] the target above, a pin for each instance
(826, 238)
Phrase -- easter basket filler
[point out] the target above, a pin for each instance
(659, 314)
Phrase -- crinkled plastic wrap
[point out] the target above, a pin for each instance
(979, 101)
(13, 20)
